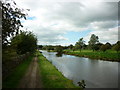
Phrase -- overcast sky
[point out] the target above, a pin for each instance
(65, 22)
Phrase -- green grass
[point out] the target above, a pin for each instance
(108, 55)
(51, 77)
(14, 77)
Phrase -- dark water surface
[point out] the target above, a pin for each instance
(96, 73)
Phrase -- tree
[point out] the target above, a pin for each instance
(103, 48)
(24, 42)
(70, 46)
(97, 46)
(93, 41)
(40, 46)
(11, 23)
(59, 49)
(80, 44)
(116, 47)
(108, 45)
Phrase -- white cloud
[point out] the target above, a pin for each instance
(110, 35)
(53, 19)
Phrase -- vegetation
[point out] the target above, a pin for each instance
(13, 79)
(11, 23)
(116, 47)
(79, 45)
(94, 49)
(24, 42)
(51, 77)
(15, 42)
(93, 41)
(109, 55)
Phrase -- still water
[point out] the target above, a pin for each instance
(96, 73)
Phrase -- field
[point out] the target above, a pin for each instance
(109, 55)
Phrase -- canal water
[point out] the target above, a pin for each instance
(96, 73)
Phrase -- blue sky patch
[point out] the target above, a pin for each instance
(31, 18)
(75, 36)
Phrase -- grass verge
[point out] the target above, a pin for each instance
(14, 77)
(51, 77)
(97, 55)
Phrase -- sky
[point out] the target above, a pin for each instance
(64, 22)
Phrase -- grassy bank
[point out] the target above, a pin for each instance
(51, 77)
(108, 55)
(14, 77)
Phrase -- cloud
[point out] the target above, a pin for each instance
(53, 19)
(110, 35)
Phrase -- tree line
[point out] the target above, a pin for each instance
(93, 44)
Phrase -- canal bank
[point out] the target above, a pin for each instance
(96, 55)
(50, 76)
(96, 73)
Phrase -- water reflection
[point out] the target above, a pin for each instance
(59, 54)
(96, 73)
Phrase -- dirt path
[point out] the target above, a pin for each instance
(32, 76)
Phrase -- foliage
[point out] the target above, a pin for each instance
(103, 48)
(93, 41)
(70, 46)
(11, 23)
(40, 46)
(82, 84)
(59, 49)
(24, 42)
(117, 46)
(97, 46)
(79, 44)
(108, 45)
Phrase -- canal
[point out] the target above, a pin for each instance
(96, 73)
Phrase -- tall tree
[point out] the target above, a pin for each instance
(80, 44)
(93, 41)
(11, 23)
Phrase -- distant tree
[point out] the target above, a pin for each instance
(103, 48)
(74, 48)
(70, 46)
(80, 44)
(108, 45)
(24, 42)
(65, 47)
(59, 49)
(93, 41)
(97, 46)
(50, 47)
(116, 47)
(40, 46)
(11, 23)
